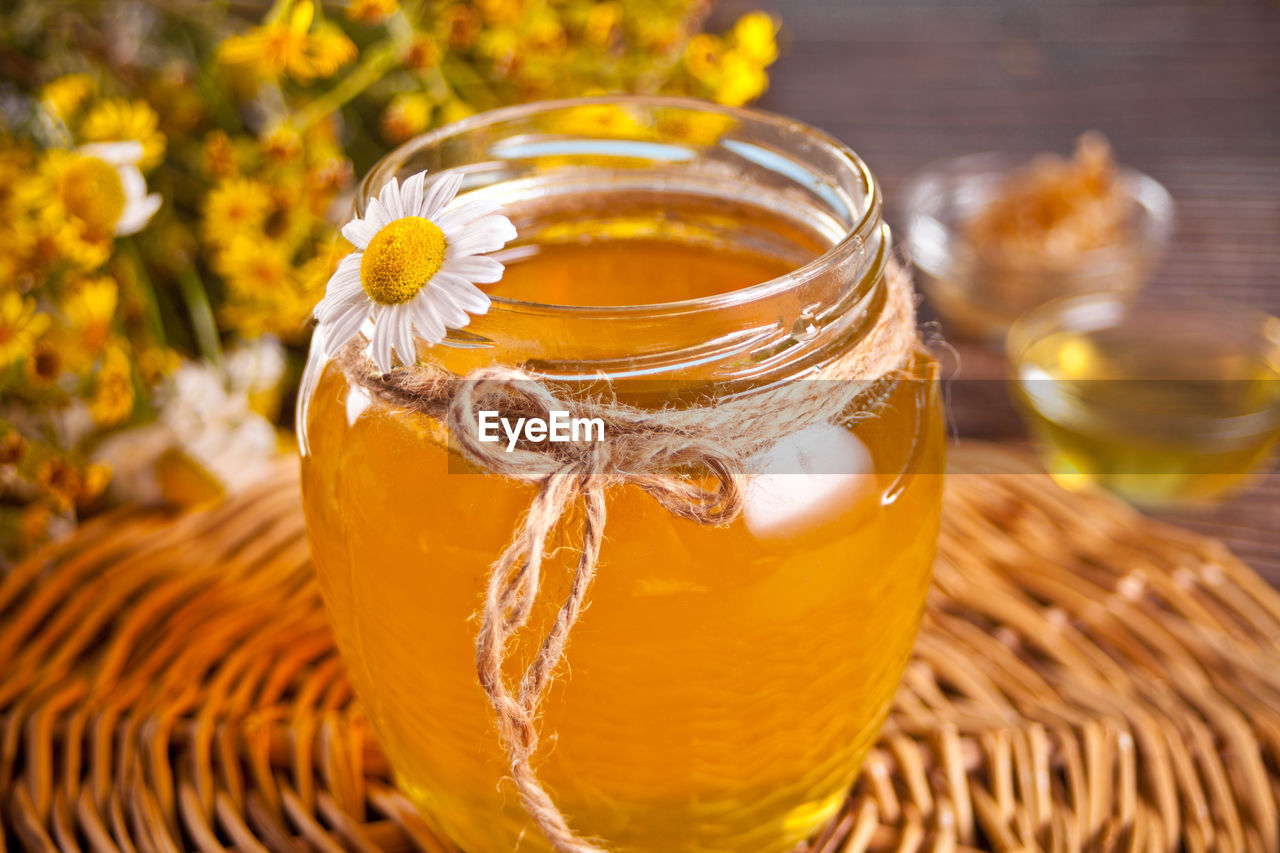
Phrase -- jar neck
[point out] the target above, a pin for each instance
(578, 160)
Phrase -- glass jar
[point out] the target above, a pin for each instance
(724, 683)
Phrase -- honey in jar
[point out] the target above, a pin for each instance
(724, 684)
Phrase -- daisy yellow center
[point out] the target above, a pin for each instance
(401, 259)
(92, 191)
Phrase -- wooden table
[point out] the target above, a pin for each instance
(1186, 90)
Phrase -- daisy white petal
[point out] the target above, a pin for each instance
(376, 214)
(390, 198)
(515, 253)
(344, 325)
(411, 194)
(426, 320)
(336, 302)
(317, 358)
(468, 297)
(400, 319)
(464, 215)
(478, 238)
(132, 182)
(126, 153)
(348, 271)
(359, 232)
(343, 284)
(476, 268)
(137, 214)
(448, 312)
(496, 224)
(439, 194)
(381, 344)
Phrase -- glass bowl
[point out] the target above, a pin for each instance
(978, 296)
(1162, 405)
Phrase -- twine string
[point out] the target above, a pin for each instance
(693, 461)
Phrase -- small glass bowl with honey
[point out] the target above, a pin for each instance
(993, 237)
(1163, 405)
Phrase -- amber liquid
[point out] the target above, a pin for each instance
(634, 272)
(724, 684)
(1181, 417)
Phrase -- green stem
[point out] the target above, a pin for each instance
(377, 62)
(155, 322)
(201, 312)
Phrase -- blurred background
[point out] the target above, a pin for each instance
(1187, 91)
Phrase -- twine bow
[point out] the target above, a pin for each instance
(693, 461)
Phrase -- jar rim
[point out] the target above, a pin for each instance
(857, 233)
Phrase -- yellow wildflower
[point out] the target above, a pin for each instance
(265, 290)
(324, 179)
(602, 24)
(658, 34)
(544, 36)
(90, 309)
(13, 447)
(282, 144)
(113, 388)
(461, 25)
(702, 55)
(406, 116)
(290, 46)
(34, 524)
(219, 155)
(154, 363)
(46, 364)
(703, 129)
(742, 80)
(234, 207)
(255, 266)
(57, 241)
(755, 37)
(96, 478)
(501, 45)
(120, 119)
(423, 53)
(20, 325)
(600, 120)
(15, 166)
(455, 110)
(501, 11)
(60, 480)
(314, 275)
(63, 96)
(371, 11)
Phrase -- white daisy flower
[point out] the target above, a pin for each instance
(414, 270)
(133, 208)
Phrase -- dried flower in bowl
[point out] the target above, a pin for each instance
(994, 236)
(1053, 209)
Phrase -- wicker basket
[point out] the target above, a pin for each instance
(1086, 679)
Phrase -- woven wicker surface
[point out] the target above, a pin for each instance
(1086, 680)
